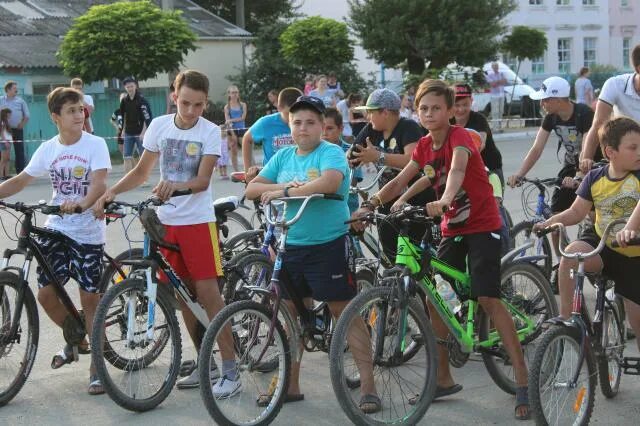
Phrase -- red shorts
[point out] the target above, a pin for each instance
(199, 255)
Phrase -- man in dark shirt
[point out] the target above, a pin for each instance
(136, 114)
(388, 140)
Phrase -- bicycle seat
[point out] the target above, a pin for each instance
(225, 205)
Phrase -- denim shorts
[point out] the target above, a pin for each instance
(131, 142)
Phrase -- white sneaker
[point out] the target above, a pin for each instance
(225, 388)
(193, 379)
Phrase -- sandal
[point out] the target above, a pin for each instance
(522, 400)
(370, 403)
(265, 400)
(95, 386)
(64, 357)
(442, 391)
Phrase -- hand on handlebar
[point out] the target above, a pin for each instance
(98, 207)
(251, 173)
(571, 183)
(514, 180)
(358, 225)
(398, 205)
(437, 208)
(624, 236)
(70, 207)
(269, 196)
(164, 189)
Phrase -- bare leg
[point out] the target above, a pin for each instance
(444, 377)
(89, 302)
(232, 142)
(565, 283)
(294, 378)
(52, 305)
(633, 316)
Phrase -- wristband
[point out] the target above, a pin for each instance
(375, 197)
(367, 205)
(286, 191)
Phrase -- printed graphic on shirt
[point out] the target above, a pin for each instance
(69, 182)
(571, 140)
(282, 140)
(180, 159)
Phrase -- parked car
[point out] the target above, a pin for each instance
(513, 91)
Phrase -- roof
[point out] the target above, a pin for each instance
(31, 30)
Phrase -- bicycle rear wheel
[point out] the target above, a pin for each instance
(405, 387)
(150, 366)
(250, 269)
(553, 400)
(520, 233)
(251, 324)
(18, 351)
(612, 357)
(235, 223)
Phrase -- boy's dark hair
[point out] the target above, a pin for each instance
(583, 71)
(438, 88)
(8, 85)
(288, 97)
(60, 96)
(77, 82)
(334, 114)
(353, 98)
(612, 132)
(192, 79)
(635, 56)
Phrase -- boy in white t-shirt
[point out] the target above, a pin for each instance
(187, 147)
(77, 164)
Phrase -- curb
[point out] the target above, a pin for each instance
(512, 136)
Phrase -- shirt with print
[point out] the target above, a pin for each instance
(322, 220)
(490, 154)
(474, 209)
(405, 133)
(273, 133)
(69, 168)
(328, 98)
(570, 132)
(181, 151)
(613, 199)
(620, 92)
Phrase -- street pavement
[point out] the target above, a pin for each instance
(60, 396)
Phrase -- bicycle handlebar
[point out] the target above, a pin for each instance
(114, 206)
(358, 190)
(306, 198)
(595, 251)
(632, 242)
(43, 207)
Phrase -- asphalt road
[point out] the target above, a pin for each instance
(60, 397)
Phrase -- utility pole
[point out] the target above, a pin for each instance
(241, 23)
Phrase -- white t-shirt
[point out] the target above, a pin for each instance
(494, 77)
(180, 154)
(89, 101)
(344, 111)
(619, 92)
(69, 168)
(583, 85)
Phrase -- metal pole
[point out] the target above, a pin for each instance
(241, 23)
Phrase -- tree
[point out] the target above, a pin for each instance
(257, 12)
(407, 33)
(317, 44)
(125, 38)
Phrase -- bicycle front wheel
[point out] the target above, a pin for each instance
(150, 366)
(367, 342)
(612, 357)
(255, 338)
(519, 234)
(17, 351)
(553, 398)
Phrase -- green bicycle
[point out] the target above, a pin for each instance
(401, 336)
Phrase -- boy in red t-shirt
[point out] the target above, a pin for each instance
(470, 227)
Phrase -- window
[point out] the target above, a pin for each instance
(563, 2)
(535, 2)
(564, 55)
(589, 2)
(537, 65)
(509, 61)
(624, 3)
(589, 51)
(626, 47)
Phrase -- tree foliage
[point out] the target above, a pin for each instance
(317, 44)
(524, 43)
(125, 38)
(257, 12)
(407, 33)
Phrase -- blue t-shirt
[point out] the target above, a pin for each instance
(272, 133)
(322, 220)
(358, 176)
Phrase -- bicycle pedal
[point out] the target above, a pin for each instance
(631, 366)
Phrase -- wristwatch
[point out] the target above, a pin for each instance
(286, 191)
(380, 162)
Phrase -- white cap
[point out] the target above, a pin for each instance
(553, 87)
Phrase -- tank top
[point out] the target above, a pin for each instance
(236, 113)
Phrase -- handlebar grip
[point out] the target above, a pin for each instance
(181, 192)
(50, 210)
(632, 242)
(545, 231)
(336, 197)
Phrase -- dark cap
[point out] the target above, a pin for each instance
(129, 79)
(311, 101)
(463, 90)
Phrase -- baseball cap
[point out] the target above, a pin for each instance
(463, 90)
(129, 79)
(381, 99)
(553, 87)
(311, 101)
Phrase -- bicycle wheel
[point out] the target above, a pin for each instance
(252, 269)
(235, 223)
(251, 324)
(521, 233)
(524, 287)
(17, 352)
(151, 367)
(553, 400)
(612, 348)
(243, 242)
(406, 389)
(111, 275)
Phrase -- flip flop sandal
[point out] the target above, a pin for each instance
(265, 400)
(95, 386)
(442, 392)
(64, 357)
(522, 400)
(370, 404)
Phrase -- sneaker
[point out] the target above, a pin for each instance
(225, 388)
(193, 379)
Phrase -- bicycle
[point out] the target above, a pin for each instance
(260, 338)
(19, 315)
(386, 308)
(573, 353)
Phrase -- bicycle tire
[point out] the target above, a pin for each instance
(533, 306)
(543, 370)
(611, 335)
(111, 276)
(339, 379)
(111, 383)
(524, 229)
(241, 273)
(247, 240)
(32, 331)
(244, 309)
(242, 224)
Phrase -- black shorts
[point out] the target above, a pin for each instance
(618, 267)
(320, 271)
(483, 253)
(563, 198)
(240, 133)
(70, 259)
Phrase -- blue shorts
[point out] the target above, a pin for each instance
(320, 271)
(70, 259)
(129, 143)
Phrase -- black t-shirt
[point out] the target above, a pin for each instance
(490, 155)
(571, 132)
(406, 132)
(136, 113)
